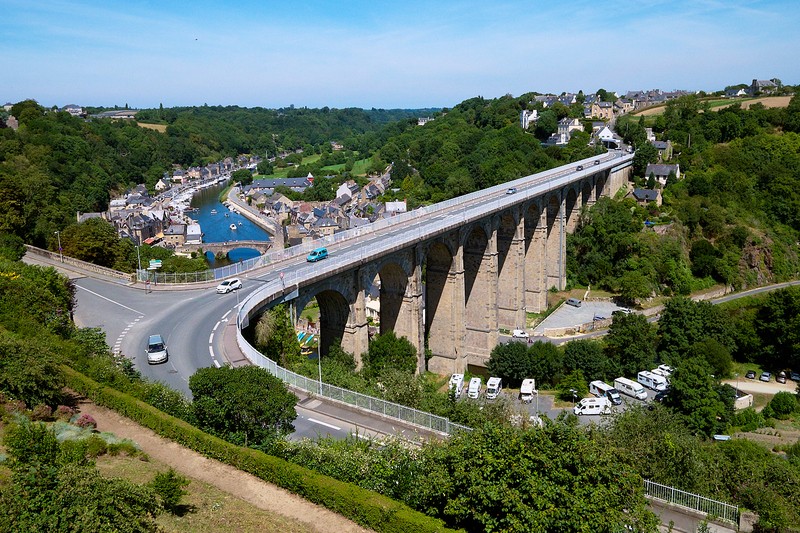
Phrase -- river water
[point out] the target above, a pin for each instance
(216, 227)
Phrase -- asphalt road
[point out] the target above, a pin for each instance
(191, 323)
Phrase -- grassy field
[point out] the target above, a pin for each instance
(720, 103)
(205, 508)
(158, 127)
(359, 168)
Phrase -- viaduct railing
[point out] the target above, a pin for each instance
(83, 265)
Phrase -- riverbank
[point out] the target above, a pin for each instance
(253, 215)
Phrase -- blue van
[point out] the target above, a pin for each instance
(317, 255)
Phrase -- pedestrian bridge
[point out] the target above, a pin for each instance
(451, 275)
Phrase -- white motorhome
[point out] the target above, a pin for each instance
(456, 384)
(661, 372)
(630, 388)
(493, 388)
(666, 368)
(474, 388)
(604, 390)
(592, 406)
(652, 381)
(527, 390)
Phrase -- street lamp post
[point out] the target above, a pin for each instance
(319, 365)
(60, 251)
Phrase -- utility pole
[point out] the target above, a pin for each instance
(60, 250)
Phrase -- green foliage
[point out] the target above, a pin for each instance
(29, 371)
(781, 406)
(54, 488)
(574, 381)
(694, 395)
(748, 419)
(245, 405)
(505, 479)
(387, 351)
(243, 176)
(547, 363)
(587, 356)
(778, 326)
(95, 241)
(685, 322)
(275, 337)
(511, 362)
(366, 508)
(630, 344)
(169, 486)
(11, 247)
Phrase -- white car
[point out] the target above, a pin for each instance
(229, 285)
(519, 334)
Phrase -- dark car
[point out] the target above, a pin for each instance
(794, 376)
(751, 374)
(661, 396)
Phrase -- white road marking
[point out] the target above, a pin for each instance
(215, 326)
(226, 314)
(217, 363)
(324, 424)
(211, 351)
(211, 339)
(110, 300)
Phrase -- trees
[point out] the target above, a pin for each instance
(694, 395)
(778, 326)
(631, 343)
(275, 337)
(246, 405)
(387, 351)
(588, 357)
(506, 479)
(511, 362)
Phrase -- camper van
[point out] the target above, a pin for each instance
(652, 381)
(474, 389)
(527, 390)
(604, 390)
(666, 368)
(630, 388)
(493, 388)
(660, 372)
(456, 384)
(592, 406)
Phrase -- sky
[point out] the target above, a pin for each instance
(383, 54)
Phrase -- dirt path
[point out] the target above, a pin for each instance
(226, 478)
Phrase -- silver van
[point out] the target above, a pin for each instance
(156, 350)
(574, 302)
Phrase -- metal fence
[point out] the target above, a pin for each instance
(376, 405)
(707, 506)
(199, 277)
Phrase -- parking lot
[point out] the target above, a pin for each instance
(567, 316)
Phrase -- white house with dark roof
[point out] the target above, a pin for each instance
(662, 172)
(74, 110)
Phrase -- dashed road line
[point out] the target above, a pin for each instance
(117, 350)
(324, 424)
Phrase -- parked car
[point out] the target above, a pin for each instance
(765, 376)
(511, 190)
(229, 285)
(661, 396)
(780, 377)
(519, 334)
(794, 376)
(751, 374)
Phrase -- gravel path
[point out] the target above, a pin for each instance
(226, 478)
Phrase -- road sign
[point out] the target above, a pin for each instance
(155, 263)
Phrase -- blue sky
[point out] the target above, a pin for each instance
(383, 54)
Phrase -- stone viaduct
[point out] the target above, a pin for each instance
(225, 247)
(450, 289)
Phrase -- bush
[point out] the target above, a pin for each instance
(781, 406)
(86, 421)
(169, 487)
(42, 412)
(748, 420)
(64, 412)
(573, 382)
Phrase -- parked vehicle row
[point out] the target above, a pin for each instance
(780, 377)
(494, 386)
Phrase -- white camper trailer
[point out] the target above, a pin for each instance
(456, 384)
(630, 388)
(474, 388)
(652, 381)
(592, 406)
(527, 390)
(493, 388)
(604, 390)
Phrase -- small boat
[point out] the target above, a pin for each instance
(233, 226)
(213, 211)
(240, 223)
(227, 214)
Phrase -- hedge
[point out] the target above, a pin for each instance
(365, 507)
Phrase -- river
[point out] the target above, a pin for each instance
(216, 227)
